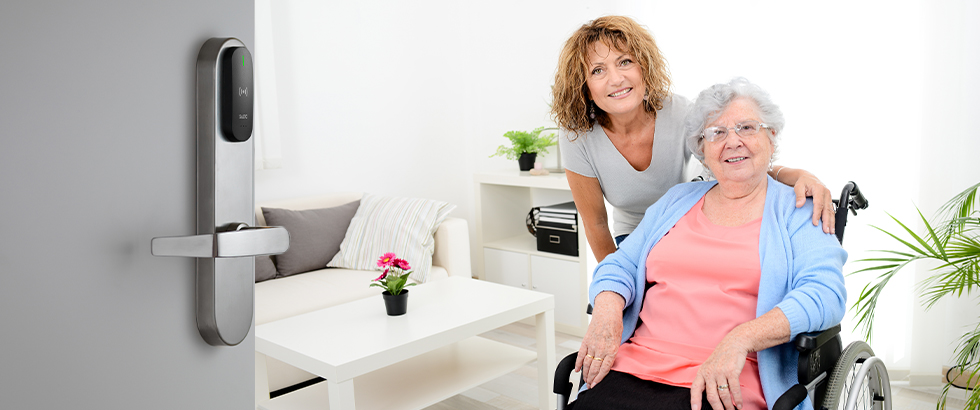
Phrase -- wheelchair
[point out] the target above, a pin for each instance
(833, 377)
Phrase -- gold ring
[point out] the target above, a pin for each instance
(589, 356)
(596, 358)
(723, 387)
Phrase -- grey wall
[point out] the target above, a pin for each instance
(97, 156)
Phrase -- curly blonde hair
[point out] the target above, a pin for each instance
(570, 104)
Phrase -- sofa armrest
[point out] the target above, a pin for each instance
(452, 247)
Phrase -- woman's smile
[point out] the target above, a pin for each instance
(621, 93)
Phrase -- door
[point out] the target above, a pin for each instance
(562, 279)
(508, 268)
(97, 156)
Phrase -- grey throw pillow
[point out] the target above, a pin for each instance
(264, 269)
(314, 235)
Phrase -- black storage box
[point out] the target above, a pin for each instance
(557, 241)
(557, 229)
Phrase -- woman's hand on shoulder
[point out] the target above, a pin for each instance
(718, 376)
(823, 204)
(806, 185)
(602, 339)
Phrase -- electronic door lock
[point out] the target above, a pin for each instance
(225, 243)
(237, 83)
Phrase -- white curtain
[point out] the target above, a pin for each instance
(268, 147)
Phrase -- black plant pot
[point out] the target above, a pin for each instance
(396, 305)
(526, 161)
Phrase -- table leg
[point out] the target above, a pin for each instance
(261, 381)
(341, 394)
(545, 324)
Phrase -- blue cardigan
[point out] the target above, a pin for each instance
(801, 272)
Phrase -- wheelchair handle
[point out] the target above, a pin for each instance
(851, 199)
(792, 398)
(858, 201)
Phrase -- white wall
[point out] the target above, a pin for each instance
(411, 98)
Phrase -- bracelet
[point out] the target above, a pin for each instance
(777, 173)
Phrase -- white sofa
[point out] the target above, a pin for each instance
(281, 298)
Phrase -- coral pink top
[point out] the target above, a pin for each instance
(707, 282)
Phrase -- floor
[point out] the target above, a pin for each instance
(518, 390)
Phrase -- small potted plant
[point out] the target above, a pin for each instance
(525, 146)
(394, 280)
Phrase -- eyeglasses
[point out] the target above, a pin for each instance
(744, 129)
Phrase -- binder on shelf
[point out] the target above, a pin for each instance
(557, 228)
(566, 208)
(566, 226)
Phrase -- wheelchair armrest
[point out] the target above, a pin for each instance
(813, 340)
(819, 352)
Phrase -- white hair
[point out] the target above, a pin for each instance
(715, 99)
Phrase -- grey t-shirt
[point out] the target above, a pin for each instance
(630, 191)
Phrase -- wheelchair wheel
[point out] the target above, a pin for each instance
(874, 392)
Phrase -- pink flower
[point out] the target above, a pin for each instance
(387, 259)
(402, 264)
(382, 275)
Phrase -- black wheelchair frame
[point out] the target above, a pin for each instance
(819, 368)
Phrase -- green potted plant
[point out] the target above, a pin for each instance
(954, 241)
(525, 146)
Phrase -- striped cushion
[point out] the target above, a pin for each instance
(400, 225)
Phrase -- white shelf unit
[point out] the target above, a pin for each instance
(507, 252)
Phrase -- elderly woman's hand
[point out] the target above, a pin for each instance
(807, 185)
(602, 339)
(718, 376)
(724, 366)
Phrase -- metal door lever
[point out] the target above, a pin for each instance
(236, 241)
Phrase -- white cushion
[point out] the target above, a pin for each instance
(403, 226)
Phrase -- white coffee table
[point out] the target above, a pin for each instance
(411, 361)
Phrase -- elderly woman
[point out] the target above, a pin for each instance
(621, 131)
(698, 305)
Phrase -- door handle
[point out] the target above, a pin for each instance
(239, 240)
(225, 243)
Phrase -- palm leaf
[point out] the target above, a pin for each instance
(960, 274)
(922, 242)
(940, 245)
(867, 302)
(902, 254)
(960, 211)
(961, 205)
